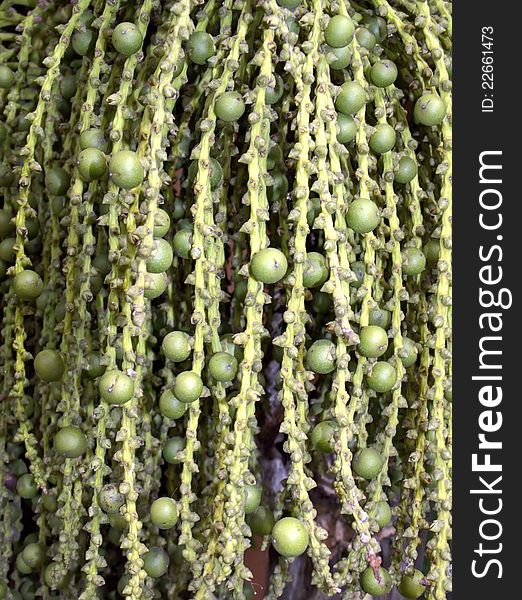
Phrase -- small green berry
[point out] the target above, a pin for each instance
(269, 265)
(126, 38)
(116, 387)
(200, 47)
(229, 106)
(164, 513)
(376, 585)
(321, 357)
(410, 586)
(170, 407)
(430, 109)
(373, 341)
(92, 164)
(70, 442)
(289, 537)
(49, 365)
(339, 32)
(367, 463)
(126, 170)
(188, 387)
(363, 215)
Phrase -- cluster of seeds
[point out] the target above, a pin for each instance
(225, 262)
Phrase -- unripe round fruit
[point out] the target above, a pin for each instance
(70, 442)
(6, 225)
(406, 170)
(376, 586)
(116, 387)
(7, 78)
(367, 463)
(223, 366)
(182, 243)
(323, 436)
(92, 164)
(347, 128)
(170, 407)
(227, 345)
(188, 387)
(274, 93)
(379, 317)
(110, 500)
(373, 341)
(126, 38)
(315, 271)
(164, 513)
(277, 189)
(54, 577)
(366, 38)
(377, 25)
(410, 586)
(383, 73)
(413, 261)
(274, 158)
(383, 138)
(322, 303)
(126, 170)
(155, 562)
(343, 57)
(200, 47)
(26, 486)
(161, 256)
(261, 521)
(430, 109)
(21, 566)
(229, 107)
(351, 98)
(321, 357)
(363, 215)
(268, 265)
(176, 346)
(83, 42)
(68, 86)
(431, 251)
(49, 365)
(252, 498)
(408, 353)
(339, 32)
(57, 181)
(27, 285)
(172, 447)
(155, 285)
(289, 537)
(94, 367)
(215, 173)
(383, 514)
(382, 377)
(33, 555)
(7, 250)
(93, 138)
(161, 223)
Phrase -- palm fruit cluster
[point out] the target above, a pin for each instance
(225, 261)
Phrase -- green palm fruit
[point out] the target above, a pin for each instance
(225, 260)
